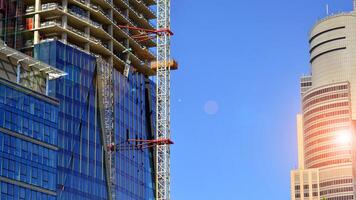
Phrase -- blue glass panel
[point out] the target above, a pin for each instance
(20, 159)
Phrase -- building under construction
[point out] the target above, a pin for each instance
(113, 135)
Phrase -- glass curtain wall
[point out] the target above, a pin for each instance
(80, 160)
(132, 120)
(28, 144)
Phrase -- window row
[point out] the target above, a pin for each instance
(306, 84)
(335, 182)
(26, 103)
(325, 98)
(73, 56)
(28, 173)
(306, 194)
(331, 162)
(326, 90)
(325, 107)
(27, 151)
(341, 153)
(11, 191)
(326, 147)
(323, 131)
(321, 140)
(28, 127)
(81, 165)
(325, 123)
(65, 85)
(348, 197)
(78, 183)
(325, 115)
(337, 190)
(73, 90)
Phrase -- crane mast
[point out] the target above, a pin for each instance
(163, 101)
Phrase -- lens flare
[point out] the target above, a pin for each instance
(211, 107)
(343, 137)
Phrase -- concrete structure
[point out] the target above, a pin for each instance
(90, 25)
(329, 109)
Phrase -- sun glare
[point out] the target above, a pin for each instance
(343, 137)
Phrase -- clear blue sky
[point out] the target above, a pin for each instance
(243, 57)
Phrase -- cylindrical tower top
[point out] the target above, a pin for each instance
(332, 48)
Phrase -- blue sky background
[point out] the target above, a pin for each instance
(243, 57)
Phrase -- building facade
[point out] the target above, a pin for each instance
(73, 36)
(28, 149)
(28, 128)
(81, 170)
(329, 108)
(305, 184)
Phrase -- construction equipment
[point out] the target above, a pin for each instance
(163, 101)
(127, 62)
(162, 66)
(162, 140)
(173, 65)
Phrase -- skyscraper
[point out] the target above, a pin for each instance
(326, 128)
(83, 38)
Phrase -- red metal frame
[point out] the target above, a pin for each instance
(140, 144)
(145, 34)
(158, 31)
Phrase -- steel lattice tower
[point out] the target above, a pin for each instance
(163, 101)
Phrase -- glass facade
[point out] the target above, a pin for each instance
(80, 157)
(28, 138)
(81, 170)
(133, 121)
